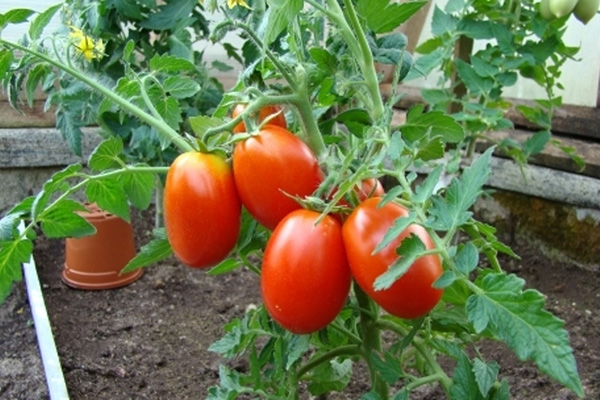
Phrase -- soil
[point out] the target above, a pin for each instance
(149, 340)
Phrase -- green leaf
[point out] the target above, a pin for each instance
(476, 29)
(12, 255)
(536, 143)
(154, 251)
(109, 195)
(329, 376)
(467, 258)
(425, 64)
(400, 225)
(485, 374)
(518, 318)
(390, 49)
(169, 63)
(472, 80)
(17, 16)
(201, 123)
(442, 23)
(389, 369)
(384, 16)
(181, 87)
(431, 149)
(8, 223)
(37, 74)
(324, 59)
(106, 154)
(139, 187)
(6, 58)
(434, 123)
(436, 96)
(356, 120)
(69, 124)
(425, 190)
(453, 211)
(225, 266)
(445, 280)
(410, 249)
(484, 68)
(168, 108)
(62, 220)
(129, 49)
(227, 345)
(464, 385)
(41, 21)
(168, 14)
(280, 15)
(296, 347)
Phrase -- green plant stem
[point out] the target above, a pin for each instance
(355, 38)
(161, 126)
(371, 335)
(344, 331)
(347, 350)
(419, 344)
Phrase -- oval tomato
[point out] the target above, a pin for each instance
(202, 209)
(267, 166)
(305, 277)
(585, 10)
(560, 8)
(411, 296)
(263, 114)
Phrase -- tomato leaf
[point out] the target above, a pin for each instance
(536, 143)
(330, 376)
(225, 266)
(467, 258)
(296, 347)
(410, 249)
(61, 220)
(156, 250)
(464, 385)
(169, 63)
(485, 374)
(517, 317)
(434, 123)
(106, 154)
(139, 187)
(16, 16)
(109, 195)
(426, 189)
(181, 87)
(12, 255)
(390, 369)
(445, 280)
(452, 211)
(474, 82)
(38, 74)
(280, 15)
(384, 16)
(167, 13)
(400, 224)
(41, 21)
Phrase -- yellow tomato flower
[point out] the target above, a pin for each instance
(86, 45)
(235, 3)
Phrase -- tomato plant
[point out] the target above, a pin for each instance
(273, 113)
(202, 209)
(304, 257)
(404, 247)
(271, 167)
(411, 296)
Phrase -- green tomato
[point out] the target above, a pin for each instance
(586, 9)
(545, 10)
(560, 8)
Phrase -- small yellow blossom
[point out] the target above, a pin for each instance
(86, 45)
(235, 3)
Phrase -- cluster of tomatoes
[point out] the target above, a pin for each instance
(307, 266)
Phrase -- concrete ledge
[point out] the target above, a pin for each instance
(42, 147)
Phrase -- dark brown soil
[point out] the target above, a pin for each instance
(149, 340)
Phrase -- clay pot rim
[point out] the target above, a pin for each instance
(95, 213)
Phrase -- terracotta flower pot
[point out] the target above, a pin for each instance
(95, 262)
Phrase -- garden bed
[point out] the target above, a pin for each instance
(150, 339)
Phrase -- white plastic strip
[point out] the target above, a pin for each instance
(57, 388)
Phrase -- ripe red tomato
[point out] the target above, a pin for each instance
(411, 296)
(270, 164)
(202, 209)
(305, 277)
(263, 113)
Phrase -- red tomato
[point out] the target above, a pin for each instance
(270, 164)
(202, 209)
(411, 296)
(305, 277)
(263, 113)
(370, 187)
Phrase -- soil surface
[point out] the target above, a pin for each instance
(149, 340)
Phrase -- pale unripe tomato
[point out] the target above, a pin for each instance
(545, 10)
(560, 8)
(586, 9)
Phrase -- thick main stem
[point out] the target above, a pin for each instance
(371, 339)
(161, 126)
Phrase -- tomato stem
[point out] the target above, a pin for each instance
(371, 335)
(161, 126)
(347, 350)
